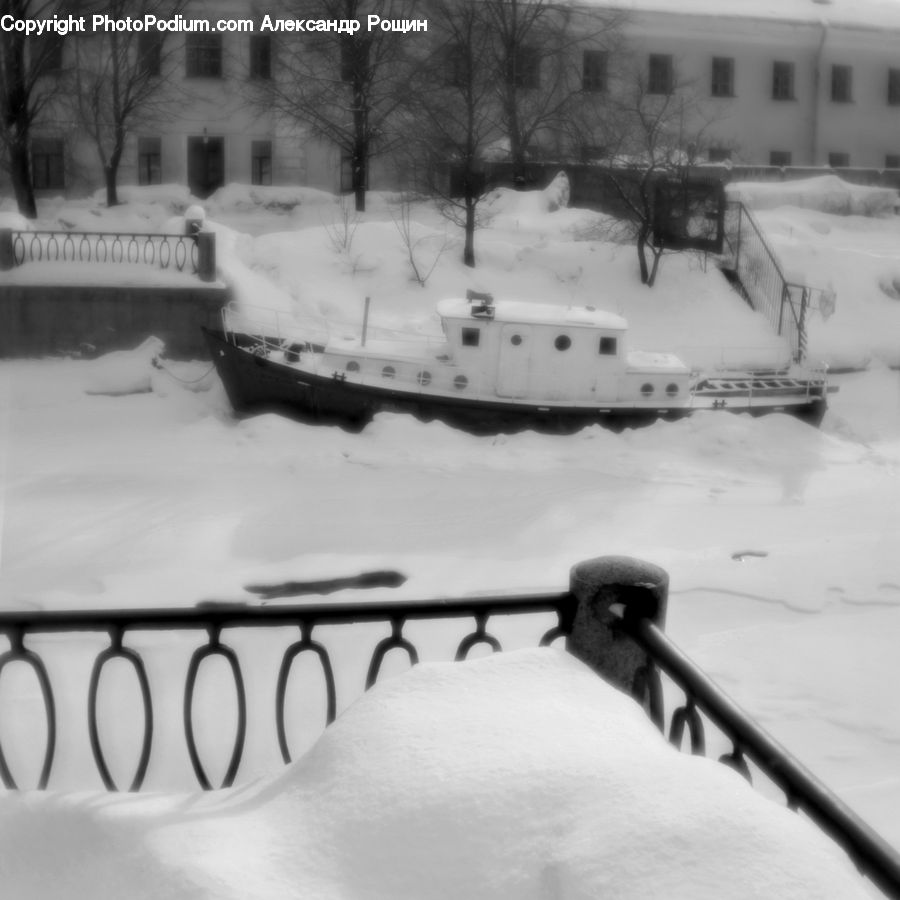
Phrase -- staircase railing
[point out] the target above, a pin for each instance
(750, 257)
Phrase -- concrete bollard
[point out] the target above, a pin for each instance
(639, 588)
(7, 253)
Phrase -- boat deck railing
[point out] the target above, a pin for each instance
(276, 329)
(611, 617)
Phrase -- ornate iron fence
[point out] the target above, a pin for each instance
(611, 617)
(214, 619)
(190, 253)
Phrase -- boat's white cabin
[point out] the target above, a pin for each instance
(550, 352)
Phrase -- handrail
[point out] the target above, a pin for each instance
(803, 790)
(764, 281)
(227, 614)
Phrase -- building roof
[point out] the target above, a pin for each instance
(847, 13)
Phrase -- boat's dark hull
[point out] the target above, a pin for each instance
(254, 384)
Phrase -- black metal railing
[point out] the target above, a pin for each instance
(191, 253)
(748, 254)
(216, 620)
(605, 622)
(167, 251)
(705, 702)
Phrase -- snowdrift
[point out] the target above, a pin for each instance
(518, 775)
(825, 193)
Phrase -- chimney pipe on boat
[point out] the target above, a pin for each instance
(365, 322)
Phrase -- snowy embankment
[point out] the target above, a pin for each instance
(832, 235)
(521, 775)
(161, 497)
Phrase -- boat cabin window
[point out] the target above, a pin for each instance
(608, 346)
(471, 337)
(562, 342)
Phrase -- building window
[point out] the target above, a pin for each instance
(893, 87)
(593, 152)
(780, 158)
(841, 84)
(261, 162)
(471, 337)
(347, 174)
(149, 160)
(783, 81)
(594, 71)
(455, 64)
(524, 67)
(150, 53)
(838, 160)
(260, 56)
(660, 78)
(48, 164)
(892, 161)
(354, 59)
(718, 154)
(203, 55)
(50, 60)
(722, 76)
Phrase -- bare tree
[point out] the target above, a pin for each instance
(120, 80)
(653, 129)
(347, 87)
(537, 52)
(28, 73)
(452, 118)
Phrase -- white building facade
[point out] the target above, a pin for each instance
(783, 82)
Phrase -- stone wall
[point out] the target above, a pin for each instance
(42, 320)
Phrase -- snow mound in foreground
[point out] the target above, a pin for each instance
(124, 371)
(517, 775)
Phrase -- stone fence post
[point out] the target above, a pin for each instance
(206, 255)
(7, 253)
(639, 588)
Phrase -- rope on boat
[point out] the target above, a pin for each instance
(157, 364)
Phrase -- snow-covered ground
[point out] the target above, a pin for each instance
(161, 497)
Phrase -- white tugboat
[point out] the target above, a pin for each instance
(501, 366)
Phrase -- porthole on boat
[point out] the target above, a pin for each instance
(515, 340)
(460, 382)
(388, 372)
(671, 389)
(424, 378)
(647, 389)
(352, 366)
(562, 342)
